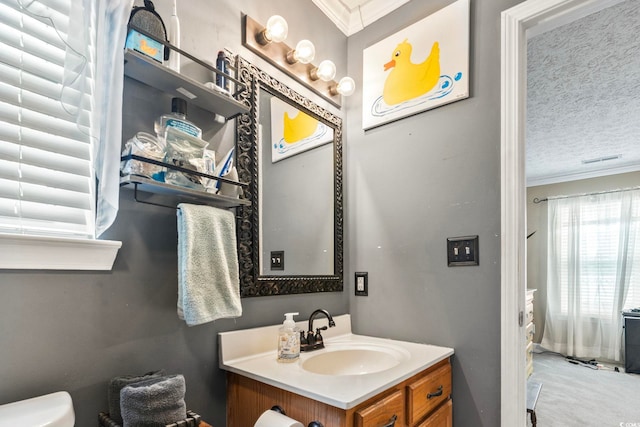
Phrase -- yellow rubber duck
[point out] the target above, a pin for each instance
(298, 128)
(148, 49)
(408, 80)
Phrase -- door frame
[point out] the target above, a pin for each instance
(527, 19)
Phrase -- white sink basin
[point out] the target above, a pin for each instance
(346, 359)
(348, 371)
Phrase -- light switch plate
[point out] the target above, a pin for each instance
(462, 251)
(362, 284)
(277, 260)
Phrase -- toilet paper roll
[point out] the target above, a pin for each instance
(275, 419)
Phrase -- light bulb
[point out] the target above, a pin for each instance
(276, 30)
(304, 52)
(346, 86)
(325, 71)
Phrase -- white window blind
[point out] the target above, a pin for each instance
(600, 250)
(46, 96)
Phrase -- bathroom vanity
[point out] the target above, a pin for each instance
(355, 381)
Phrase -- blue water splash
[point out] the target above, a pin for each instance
(445, 87)
(282, 146)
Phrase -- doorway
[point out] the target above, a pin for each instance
(525, 20)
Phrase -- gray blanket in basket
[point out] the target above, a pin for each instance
(118, 383)
(154, 402)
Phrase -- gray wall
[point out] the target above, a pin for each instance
(445, 183)
(537, 221)
(76, 330)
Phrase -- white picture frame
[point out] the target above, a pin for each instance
(423, 66)
(294, 131)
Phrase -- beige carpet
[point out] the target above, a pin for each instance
(578, 396)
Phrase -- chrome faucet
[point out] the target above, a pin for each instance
(315, 341)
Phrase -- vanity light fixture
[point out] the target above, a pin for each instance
(268, 43)
(345, 87)
(326, 71)
(275, 32)
(304, 52)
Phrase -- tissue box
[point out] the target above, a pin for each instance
(192, 420)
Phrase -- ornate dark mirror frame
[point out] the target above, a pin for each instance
(251, 282)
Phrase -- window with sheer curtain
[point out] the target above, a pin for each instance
(61, 64)
(593, 272)
(46, 98)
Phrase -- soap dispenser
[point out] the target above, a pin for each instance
(288, 340)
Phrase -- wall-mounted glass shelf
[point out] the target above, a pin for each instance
(150, 72)
(171, 195)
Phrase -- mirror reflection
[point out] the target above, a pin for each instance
(289, 150)
(296, 190)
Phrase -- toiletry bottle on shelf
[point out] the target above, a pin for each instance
(288, 340)
(174, 39)
(222, 65)
(176, 119)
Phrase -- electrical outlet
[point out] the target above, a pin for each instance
(277, 260)
(362, 284)
(462, 251)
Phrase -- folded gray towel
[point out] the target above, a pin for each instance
(118, 383)
(154, 402)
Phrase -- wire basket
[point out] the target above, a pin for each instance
(192, 420)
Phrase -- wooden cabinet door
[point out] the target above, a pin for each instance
(427, 393)
(383, 412)
(443, 417)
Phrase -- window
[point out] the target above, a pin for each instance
(598, 251)
(45, 144)
(47, 133)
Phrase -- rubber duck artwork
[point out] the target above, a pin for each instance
(408, 80)
(299, 127)
(148, 49)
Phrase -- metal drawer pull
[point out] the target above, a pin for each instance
(436, 394)
(391, 422)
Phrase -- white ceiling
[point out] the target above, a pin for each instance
(583, 97)
(351, 16)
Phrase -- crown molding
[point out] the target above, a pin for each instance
(350, 21)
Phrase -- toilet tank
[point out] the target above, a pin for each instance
(50, 410)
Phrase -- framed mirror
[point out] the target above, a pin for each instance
(289, 150)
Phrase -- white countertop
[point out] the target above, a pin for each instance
(252, 353)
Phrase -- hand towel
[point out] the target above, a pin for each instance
(208, 278)
(117, 384)
(154, 402)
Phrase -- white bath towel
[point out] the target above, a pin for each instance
(208, 284)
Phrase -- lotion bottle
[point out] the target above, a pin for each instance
(288, 340)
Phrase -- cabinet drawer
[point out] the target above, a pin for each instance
(443, 417)
(529, 352)
(427, 393)
(382, 412)
(531, 329)
(528, 313)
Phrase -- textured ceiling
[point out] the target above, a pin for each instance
(583, 97)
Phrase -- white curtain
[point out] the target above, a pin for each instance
(113, 16)
(593, 272)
